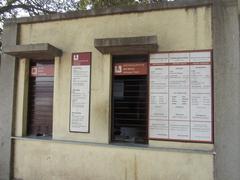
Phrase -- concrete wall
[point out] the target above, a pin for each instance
(67, 161)
(176, 30)
(7, 95)
(227, 90)
(64, 157)
(180, 29)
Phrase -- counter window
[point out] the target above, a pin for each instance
(40, 98)
(129, 99)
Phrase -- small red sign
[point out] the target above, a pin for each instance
(47, 70)
(124, 69)
(81, 59)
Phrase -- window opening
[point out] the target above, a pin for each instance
(129, 99)
(40, 98)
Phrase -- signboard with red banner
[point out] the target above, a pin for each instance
(80, 92)
(45, 70)
(126, 69)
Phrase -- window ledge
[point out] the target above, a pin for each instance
(117, 145)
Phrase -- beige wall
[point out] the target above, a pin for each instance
(179, 29)
(59, 161)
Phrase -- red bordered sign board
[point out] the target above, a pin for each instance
(80, 92)
(180, 105)
(42, 71)
(126, 69)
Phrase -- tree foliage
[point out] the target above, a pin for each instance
(97, 4)
(13, 8)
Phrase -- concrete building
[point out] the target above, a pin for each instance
(146, 92)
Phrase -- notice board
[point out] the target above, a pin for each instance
(130, 69)
(42, 70)
(181, 96)
(80, 92)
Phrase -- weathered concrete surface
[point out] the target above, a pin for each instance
(193, 32)
(33, 51)
(118, 10)
(7, 83)
(127, 45)
(72, 161)
(77, 35)
(227, 90)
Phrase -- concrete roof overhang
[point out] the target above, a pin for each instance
(33, 51)
(128, 45)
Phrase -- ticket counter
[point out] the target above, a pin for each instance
(130, 99)
(129, 92)
(40, 98)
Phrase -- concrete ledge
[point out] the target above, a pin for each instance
(118, 145)
(129, 45)
(33, 51)
(110, 11)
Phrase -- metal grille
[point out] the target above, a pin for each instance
(129, 110)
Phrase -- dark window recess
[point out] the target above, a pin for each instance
(40, 98)
(129, 104)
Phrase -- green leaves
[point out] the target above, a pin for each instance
(97, 4)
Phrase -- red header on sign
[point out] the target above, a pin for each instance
(81, 59)
(47, 70)
(124, 69)
(180, 64)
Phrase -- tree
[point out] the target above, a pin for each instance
(97, 4)
(15, 8)
(12, 8)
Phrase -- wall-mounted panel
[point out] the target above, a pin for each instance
(181, 96)
(80, 92)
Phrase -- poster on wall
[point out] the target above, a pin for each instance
(80, 92)
(181, 96)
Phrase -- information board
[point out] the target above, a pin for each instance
(42, 71)
(126, 69)
(181, 96)
(80, 92)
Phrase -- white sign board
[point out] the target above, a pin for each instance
(181, 96)
(80, 92)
